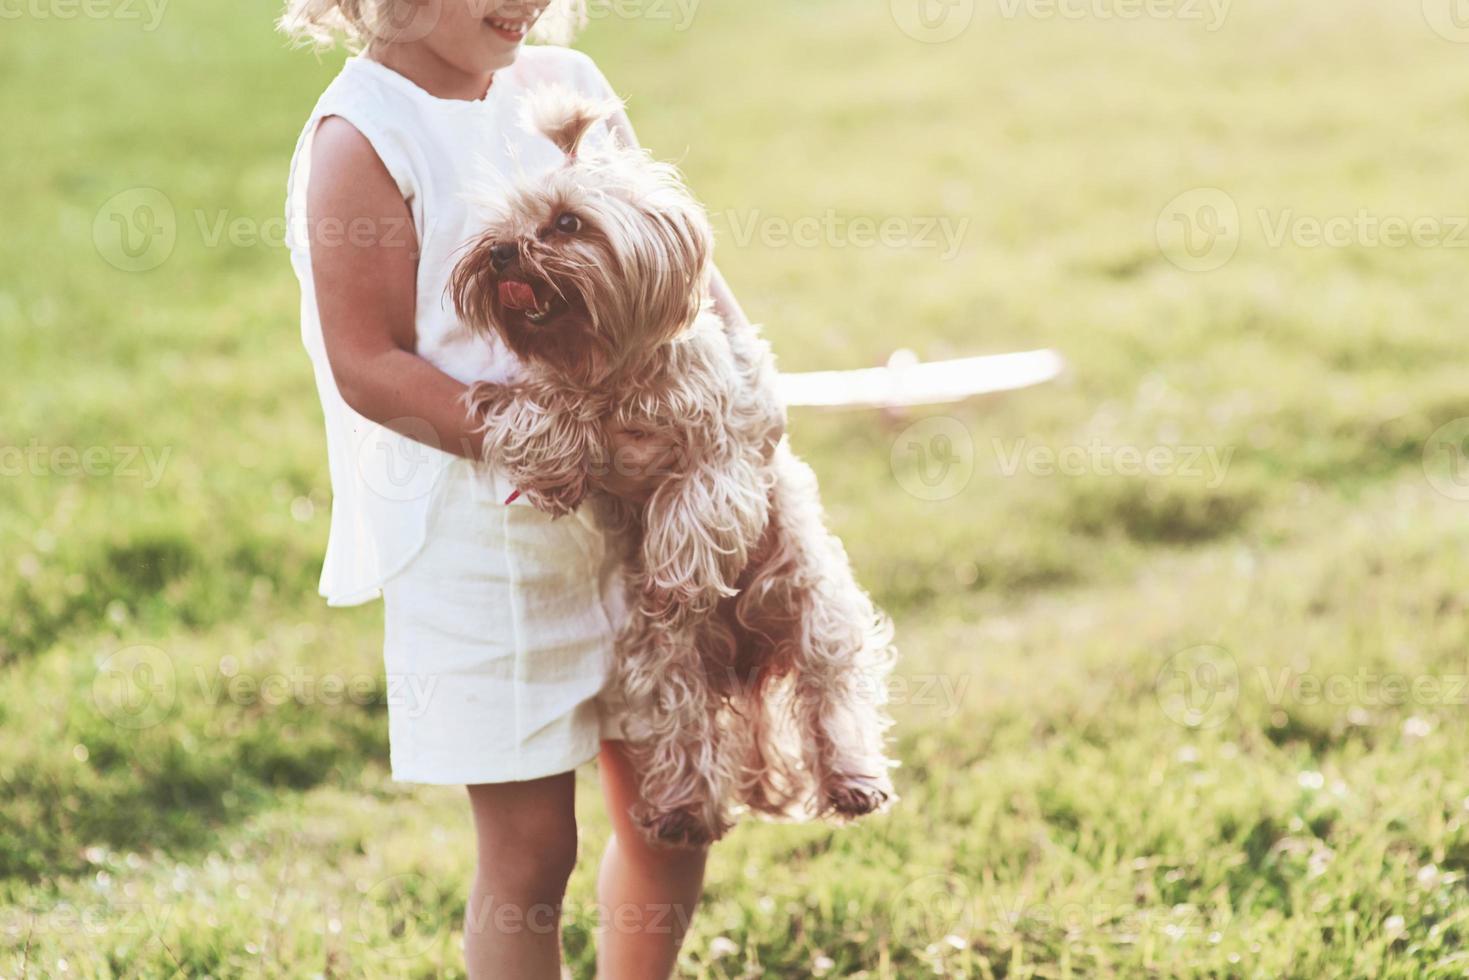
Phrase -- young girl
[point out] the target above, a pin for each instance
(499, 621)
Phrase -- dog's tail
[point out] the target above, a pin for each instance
(566, 116)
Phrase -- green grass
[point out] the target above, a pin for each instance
(1063, 814)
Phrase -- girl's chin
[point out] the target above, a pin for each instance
(492, 56)
(498, 52)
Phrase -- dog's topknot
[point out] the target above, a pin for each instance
(566, 116)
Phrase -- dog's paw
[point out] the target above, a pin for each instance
(675, 828)
(855, 796)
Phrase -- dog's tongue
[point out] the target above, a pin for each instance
(517, 295)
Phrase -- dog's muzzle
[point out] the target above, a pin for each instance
(503, 253)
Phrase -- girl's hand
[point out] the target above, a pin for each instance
(641, 460)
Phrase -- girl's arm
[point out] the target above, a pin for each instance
(366, 291)
(725, 303)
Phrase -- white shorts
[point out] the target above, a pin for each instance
(498, 641)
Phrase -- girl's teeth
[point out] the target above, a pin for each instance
(505, 25)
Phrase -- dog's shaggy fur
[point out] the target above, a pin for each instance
(753, 665)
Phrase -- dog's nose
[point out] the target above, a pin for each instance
(503, 253)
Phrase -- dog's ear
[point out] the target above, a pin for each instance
(470, 285)
(565, 116)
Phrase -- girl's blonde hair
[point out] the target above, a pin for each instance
(322, 22)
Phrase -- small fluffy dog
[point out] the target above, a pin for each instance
(752, 664)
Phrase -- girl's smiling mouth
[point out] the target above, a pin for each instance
(513, 31)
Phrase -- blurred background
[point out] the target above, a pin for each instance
(1184, 678)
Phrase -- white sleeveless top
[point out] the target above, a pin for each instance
(385, 486)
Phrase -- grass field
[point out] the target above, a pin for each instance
(1184, 635)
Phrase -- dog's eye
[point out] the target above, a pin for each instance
(568, 224)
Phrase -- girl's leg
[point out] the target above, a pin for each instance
(527, 849)
(647, 895)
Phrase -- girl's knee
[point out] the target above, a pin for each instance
(531, 860)
(527, 845)
(659, 859)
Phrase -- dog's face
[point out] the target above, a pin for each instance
(592, 266)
